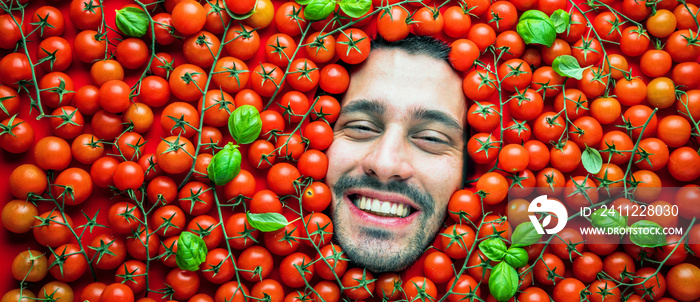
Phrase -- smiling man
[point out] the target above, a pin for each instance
(396, 157)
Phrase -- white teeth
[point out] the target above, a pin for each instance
(376, 205)
(386, 207)
(382, 208)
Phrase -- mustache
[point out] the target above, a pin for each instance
(421, 198)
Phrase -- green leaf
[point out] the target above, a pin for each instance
(567, 66)
(493, 248)
(318, 9)
(303, 2)
(245, 124)
(266, 222)
(525, 234)
(355, 8)
(560, 19)
(132, 21)
(516, 257)
(503, 282)
(647, 233)
(591, 160)
(225, 165)
(191, 251)
(608, 218)
(535, 27)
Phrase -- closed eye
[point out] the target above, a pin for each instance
(433, 139)
(361, 130)
(359, 127)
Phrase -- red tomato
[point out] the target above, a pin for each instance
(420, 288)
(51, 229)
(117, 292)
(548, 269)
(320, 47)
(289, 273)
(335, 79)
(457, 240)
(429, 21)
(391, 24)
(358, 283)
(569, 290)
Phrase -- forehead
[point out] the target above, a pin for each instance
(403, 81)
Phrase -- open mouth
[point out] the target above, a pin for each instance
(380, 207)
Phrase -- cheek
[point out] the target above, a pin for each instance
(342, 158)
(441, 185)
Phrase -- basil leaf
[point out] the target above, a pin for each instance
(535, 27)
(591, 160)
(225, 165)
(608, 218)
(266, 222)
(303, 2)
(503, 282)
(318, 9)
(560, 19)
(647, 233)
(525, 234)
(567, 66)
(516, 257)
(493, 248)
(132, 21)
(191, 251)
(245, 124)
(355, 8)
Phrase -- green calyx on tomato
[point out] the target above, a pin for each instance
(245, 124)
(225, 165)
(132, 21)
(266, 222)
(191, 251)
(535, 27)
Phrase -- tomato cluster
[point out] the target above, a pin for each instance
(101, 189)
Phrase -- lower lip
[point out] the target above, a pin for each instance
(380, 220)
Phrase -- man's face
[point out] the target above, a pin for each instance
(396, 157)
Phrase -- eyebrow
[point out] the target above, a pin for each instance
(439, 117)
(373, 107)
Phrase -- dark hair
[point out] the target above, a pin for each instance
(416, 45)
(434, 48)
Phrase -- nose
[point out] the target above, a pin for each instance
(389, 158)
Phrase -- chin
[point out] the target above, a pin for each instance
(380, 250)
(379, 255)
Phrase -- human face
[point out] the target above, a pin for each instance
(398, 143)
